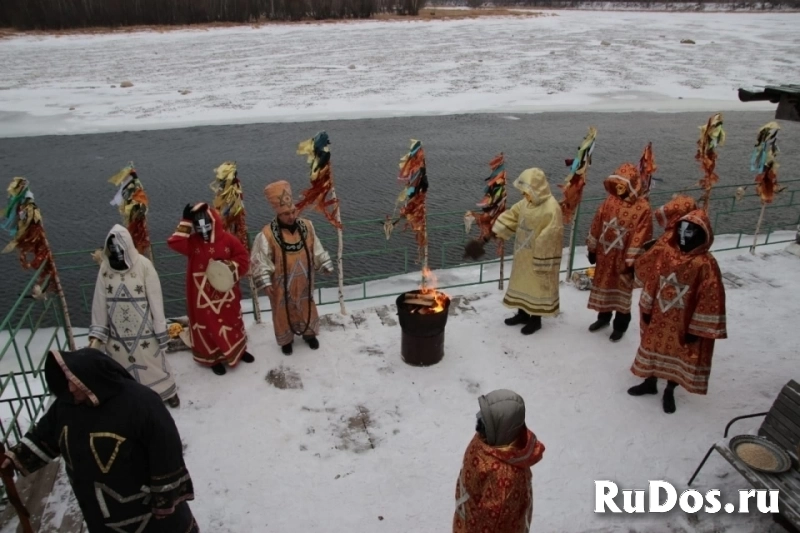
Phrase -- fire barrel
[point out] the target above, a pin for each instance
(422, 331)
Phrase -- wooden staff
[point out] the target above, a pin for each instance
(13, 496)
(340, 250)
(758, 227)
(502, 263)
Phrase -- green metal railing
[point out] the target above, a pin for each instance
(25, 337)
(34, 326)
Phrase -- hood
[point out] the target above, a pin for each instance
(96, 374)
(668, 214)
(122, 236)
(628, 175)
(524, 453)
(699, 217)
(534, 182)
(216, 221)
(503, 414)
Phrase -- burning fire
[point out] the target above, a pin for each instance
(429, 300)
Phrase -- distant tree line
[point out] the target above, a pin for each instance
(63, 14)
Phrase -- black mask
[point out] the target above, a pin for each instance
(480, 427)
(689, 236)
(116, 254)
(202, 224)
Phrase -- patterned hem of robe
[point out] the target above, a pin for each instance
(691, 377)
(608, 300)
(232, 359)
(288, 336)
(540, 307)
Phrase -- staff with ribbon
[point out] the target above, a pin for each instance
(322, 194)
(411, 202)
(23, 221)
(492, 206)
(764, 162)
(133, 203)
(712, 136)
(647, 167)
(229, 202)
(573, 187)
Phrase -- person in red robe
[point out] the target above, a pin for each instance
(620, 228)
(494, 492)
(667, 216)
(215, 318)
(683, 307)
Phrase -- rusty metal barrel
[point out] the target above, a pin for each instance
(422, 342)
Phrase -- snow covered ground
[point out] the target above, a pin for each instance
(560, 61)
(359, 441)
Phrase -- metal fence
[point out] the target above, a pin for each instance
(34, 326)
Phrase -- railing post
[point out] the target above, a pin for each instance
(572, 234)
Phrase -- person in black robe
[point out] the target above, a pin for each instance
(122, 451)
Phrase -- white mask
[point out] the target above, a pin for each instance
(686, 232)
(203, 227)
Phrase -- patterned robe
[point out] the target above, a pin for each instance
(619, 230)
(215, 319)
(128, 317)
(538, 231)
(494, 492)
(686, 295)
(667, 217)
(290, 266)
(122, 452)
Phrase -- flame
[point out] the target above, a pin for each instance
(429, 287)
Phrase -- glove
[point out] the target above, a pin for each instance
(646, 318)
(649, 244)
(592, 258)
(628, 271)
(689, 338)
(187, 212)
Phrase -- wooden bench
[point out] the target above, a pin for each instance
(782, 427)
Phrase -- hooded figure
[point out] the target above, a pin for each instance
(494, 491)
(620, 228)
(683, 307)
(128, 315)
(536, 224)
(122, 451)
(667, 216)
(284, 257)
(215, 318)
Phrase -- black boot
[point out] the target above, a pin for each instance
(520, 318)
(247, 357)
(312, 341)
(668, 402)
(219, 369)
(287, 349)
(534, 324)
(621, 322)
(648, 386)
(603, 319)
(174, 401)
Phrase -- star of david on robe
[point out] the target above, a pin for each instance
(129, 308)
(524, 236)
(461, 503)
(298, 271)
(619, 233)
(211, 299)
(680, 290)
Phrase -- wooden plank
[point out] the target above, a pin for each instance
(790, 428)
(772, 430)
(792, 391)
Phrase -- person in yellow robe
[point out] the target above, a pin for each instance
(537, 227)
(283, 260)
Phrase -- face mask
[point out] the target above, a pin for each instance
(116, 254)
(690, 236)
(202, 226)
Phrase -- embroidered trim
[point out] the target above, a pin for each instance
(99, 332)
(171, 486)
(105, 468)
(287, 247)
(35, 449)
(73, 378)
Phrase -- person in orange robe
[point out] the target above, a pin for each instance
(683, 307)
(667, 216)
(215, 318)
(494, 492)
(284, 257)
(620, 228)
